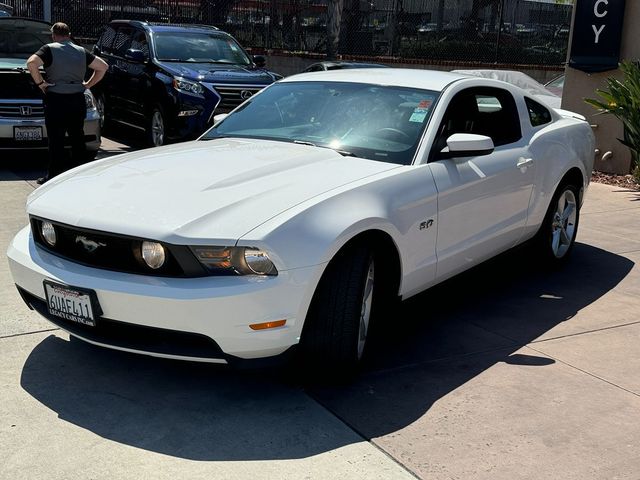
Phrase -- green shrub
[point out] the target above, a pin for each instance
(622, 99)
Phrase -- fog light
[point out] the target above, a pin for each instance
(153, 254)
(48, 233)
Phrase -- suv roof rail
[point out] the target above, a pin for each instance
(142, 23)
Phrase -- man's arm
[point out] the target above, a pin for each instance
(99, 68)
(33, 64)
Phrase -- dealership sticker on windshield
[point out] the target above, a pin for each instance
(419, 115)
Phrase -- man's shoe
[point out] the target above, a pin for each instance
(41, 180)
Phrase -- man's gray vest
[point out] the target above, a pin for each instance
(67, 69)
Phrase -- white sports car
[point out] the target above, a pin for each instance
(296, 217)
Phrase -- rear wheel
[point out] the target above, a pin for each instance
(339, 319)
(558, 232)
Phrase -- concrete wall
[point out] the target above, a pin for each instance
(579, 85)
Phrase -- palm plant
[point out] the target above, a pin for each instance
(622, 99)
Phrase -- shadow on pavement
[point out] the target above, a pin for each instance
(439, 341)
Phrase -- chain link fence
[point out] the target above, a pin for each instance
(534, 32)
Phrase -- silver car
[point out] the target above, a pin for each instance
(22, 123)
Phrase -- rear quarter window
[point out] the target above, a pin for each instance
(538, 114)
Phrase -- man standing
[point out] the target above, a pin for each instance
(65, 65)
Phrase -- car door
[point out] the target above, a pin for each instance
(135, 78)
(482, 200)
(120, 94)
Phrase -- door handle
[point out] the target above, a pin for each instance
(524, 162)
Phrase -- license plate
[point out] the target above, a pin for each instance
(27, 134)
(71, 303)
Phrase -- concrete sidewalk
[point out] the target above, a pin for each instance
(509, 371)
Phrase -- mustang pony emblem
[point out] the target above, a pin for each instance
(89, 245)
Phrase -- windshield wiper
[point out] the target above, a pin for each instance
(344, 153)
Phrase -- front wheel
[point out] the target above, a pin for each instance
(558, 232)
(156, 128)
(339, 319)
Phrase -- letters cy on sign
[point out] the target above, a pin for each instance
(597, 32)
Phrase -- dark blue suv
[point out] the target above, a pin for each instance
(170, 80)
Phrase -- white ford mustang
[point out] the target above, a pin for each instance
(296, 217)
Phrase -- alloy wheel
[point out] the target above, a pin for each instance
(563, 226)
(157, 129)
(365, 309)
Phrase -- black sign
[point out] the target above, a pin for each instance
(597, 32)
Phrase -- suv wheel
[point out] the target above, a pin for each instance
(156, 129)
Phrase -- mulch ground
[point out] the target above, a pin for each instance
(623, 181)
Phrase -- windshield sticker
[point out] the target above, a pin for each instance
(425, 104)
(418, 115)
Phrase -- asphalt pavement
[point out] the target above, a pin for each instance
(510, 371)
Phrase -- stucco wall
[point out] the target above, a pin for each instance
(579, 85)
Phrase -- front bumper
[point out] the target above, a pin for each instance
(211, 314)
(92, 132)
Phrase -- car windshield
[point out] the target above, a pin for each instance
(199, 48)
(22, 43)
(381, 123)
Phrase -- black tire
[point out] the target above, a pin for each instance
(545, 237)
(101, 106)
(155, 137)
(331, 341)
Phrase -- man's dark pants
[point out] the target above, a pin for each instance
(65, 113)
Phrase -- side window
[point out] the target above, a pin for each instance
(122, 41)
(483, 111)
(538, 114)
(106, 39)
(139, 42)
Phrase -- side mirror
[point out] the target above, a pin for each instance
(218, 118)
(137, 56)
(260, 61)
(468, 145)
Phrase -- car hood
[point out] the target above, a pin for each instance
(196, 192)
(220, 73)
(12, 63)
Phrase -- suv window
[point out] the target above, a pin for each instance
(106, 39)
(139, 42)
(483, 111)
(538, 114)
(121, 41)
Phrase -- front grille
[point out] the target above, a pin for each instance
(21, 110)
(232, 95)
(131, 336)
(115, 252)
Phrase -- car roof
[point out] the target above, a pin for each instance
(170, 27)
(401, 77)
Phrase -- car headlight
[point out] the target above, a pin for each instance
(48, 233)
(188, 87)
(235, 260)
(89, 100)
(153, 254)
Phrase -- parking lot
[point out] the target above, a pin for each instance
(508, 371)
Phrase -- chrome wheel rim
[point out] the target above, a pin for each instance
(563, 226)
(365, 309)
(157, 129)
